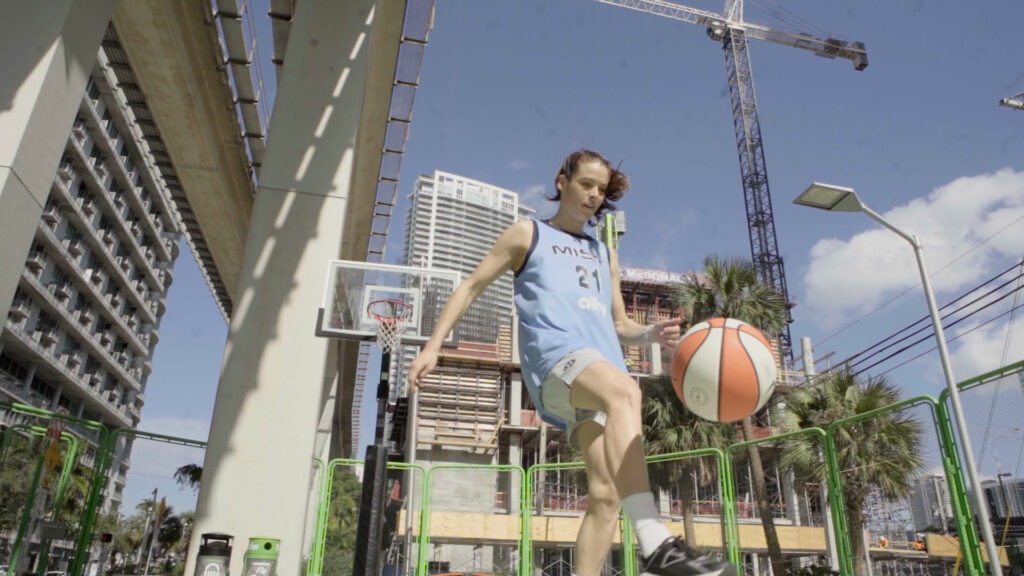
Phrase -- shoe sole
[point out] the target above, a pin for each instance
(727, 570)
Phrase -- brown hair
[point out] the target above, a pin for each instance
(618, 182)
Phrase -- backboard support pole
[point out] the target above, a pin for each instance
(366, 561)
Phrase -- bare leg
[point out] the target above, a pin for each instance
(602, 386)
(597, 531)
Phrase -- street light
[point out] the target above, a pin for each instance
(842, 199)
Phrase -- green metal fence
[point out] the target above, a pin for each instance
(701, 484)
(58, 513)
(794, 500)
(994, 403)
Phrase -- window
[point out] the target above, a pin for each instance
(92, 90)
(45, 322)
(68, 346)
(12, 367)
(42, 387)
(92, 366)
(72, 233)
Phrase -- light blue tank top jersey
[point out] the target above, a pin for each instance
(563, 295)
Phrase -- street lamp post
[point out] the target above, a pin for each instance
(842, 199)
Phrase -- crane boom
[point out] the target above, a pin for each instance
(733, 32)
(718, 23)
(1014, 102)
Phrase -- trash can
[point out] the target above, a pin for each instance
(261, 557)
(214, 554)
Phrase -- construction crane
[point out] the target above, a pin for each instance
(730, 29)
(1013, 102)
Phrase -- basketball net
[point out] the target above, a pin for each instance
(392, 316)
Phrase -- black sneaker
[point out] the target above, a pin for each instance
(673, 558)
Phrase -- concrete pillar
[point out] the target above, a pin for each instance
(257, 472)
(49, 49)
(56, 398)
(29, 375)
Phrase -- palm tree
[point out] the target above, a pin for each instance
(729, 288)
(882, 452)
(669, 427)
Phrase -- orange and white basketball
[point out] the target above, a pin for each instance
(723, 370)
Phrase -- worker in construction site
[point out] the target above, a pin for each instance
(572, 321)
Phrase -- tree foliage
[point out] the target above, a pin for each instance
(669, 427)
(189, 476)
(729, 288)
(342, 520)
(883, 452)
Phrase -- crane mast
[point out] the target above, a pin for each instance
(764, 248)
(732, 32)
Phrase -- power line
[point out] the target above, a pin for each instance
(926, 318)
(954, 339)
(928, 325)
(950, 325)
(908, 290)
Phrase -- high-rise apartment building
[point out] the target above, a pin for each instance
(930, 504)
(452, 222)
(1005, 497)
(80, 333)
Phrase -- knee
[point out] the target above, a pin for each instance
(602, 499)
(625, 394)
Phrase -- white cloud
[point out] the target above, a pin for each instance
(533, 196)
(519, 164)
(849, 277)
(980, 348)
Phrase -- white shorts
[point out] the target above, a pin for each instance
(555, 390)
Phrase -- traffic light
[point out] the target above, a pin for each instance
(106, 537)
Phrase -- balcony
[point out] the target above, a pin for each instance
(19, 310)
(108, 236)
(86, 316)
(51, 215)
(75, 246)
(35, 261)
(62, 290)
(72, 360)
(66, 173)
(46, 337)
(145, 365)
(97, 276)
(124, 262)
(89, 206)
(79, 132)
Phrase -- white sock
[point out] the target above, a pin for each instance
(643, 515)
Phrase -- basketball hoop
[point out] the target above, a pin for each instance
(391, 317)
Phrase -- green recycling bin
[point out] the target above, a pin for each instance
(261, 557)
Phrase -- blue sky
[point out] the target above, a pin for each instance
(507, 89)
